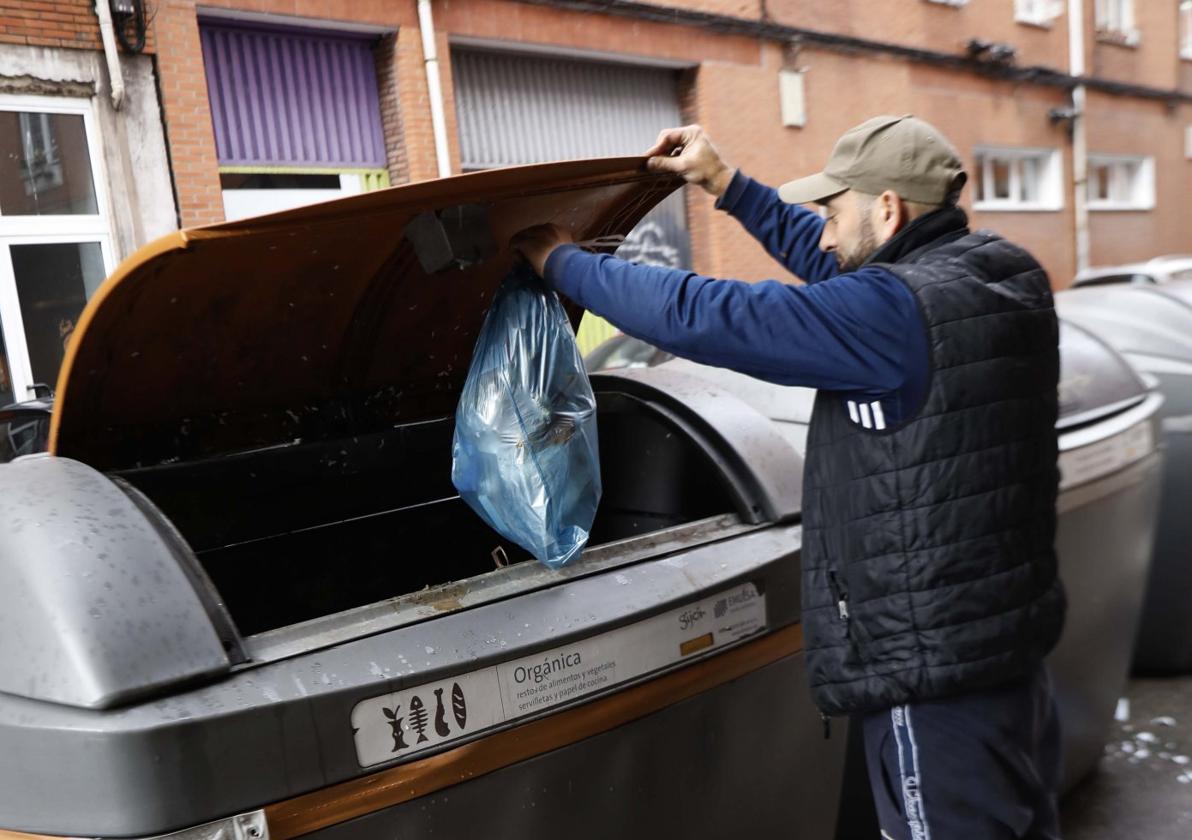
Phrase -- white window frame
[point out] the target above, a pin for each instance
(49, 230)
(1115, 20)
(1051, 186)
(247, 203)
(1037, 12)
(1185, 28)
(1142, 190)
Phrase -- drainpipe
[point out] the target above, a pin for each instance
(430, 55)
(108, 34)
(1080, 158)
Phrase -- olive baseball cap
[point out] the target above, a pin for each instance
(903, 154)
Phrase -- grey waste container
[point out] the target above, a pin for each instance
(1110, 472)
(1152, 327)
(239, 596)
(1106, 520)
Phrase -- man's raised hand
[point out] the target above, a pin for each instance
(688, 152)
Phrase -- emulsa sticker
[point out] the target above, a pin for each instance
(407, 722)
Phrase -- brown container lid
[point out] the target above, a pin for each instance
(312, 323)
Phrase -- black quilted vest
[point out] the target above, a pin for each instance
(929, 565)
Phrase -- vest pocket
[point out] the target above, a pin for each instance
(853, 632)
(839, 595)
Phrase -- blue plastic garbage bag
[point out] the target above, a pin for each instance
(525, 455)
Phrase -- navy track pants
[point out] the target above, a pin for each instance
(978, 766)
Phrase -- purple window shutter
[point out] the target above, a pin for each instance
(287, 97)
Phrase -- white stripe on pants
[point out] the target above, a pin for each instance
(911, 777)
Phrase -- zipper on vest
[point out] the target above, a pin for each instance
(841, 596)
(839, 593)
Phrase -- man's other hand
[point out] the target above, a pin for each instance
(537, 243)
(687, 151)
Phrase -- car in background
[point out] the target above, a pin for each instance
(1158, 270)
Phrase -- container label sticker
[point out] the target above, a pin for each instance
(407, 722)
(1080, 466)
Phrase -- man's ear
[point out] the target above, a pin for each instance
(891, 215)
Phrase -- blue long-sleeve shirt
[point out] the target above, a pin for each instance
(858, 333)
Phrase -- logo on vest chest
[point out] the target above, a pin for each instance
(867, 415)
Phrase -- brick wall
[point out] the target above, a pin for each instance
(731, 87)
(54, 23)
(415, 100)
(1153, 60)
(1118, 125)
(385, 54)
(732, 91)
(502, 20)
(49, 23)
(187, 109)
(188, 114)
(932, 26)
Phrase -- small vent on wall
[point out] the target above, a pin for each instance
(792, 97)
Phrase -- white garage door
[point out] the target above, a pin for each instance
(517, 109)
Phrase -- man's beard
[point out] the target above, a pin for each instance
(867, 244)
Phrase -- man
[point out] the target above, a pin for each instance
(930, 594)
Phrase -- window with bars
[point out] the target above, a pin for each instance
(55, 239)
(1115, 21)
(1037, 12)
(1016, 179)
(1121, 182)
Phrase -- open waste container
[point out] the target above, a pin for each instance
(240, 598)
(1152, 327)
(1107, 504)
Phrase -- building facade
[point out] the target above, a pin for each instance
(84, 175)
(1074, 116)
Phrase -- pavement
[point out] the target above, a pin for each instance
(1143, 785)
